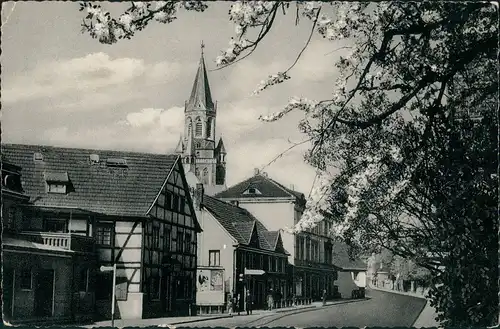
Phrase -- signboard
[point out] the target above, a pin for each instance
(253, 272)
(210, 286)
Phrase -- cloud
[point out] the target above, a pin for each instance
(83, 76)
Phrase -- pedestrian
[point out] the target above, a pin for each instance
(270, 300)
(230, 303)
(238, 304)
(249, 303)
(234, 302)
(324, 297)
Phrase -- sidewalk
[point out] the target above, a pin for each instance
(427, 316)
(172, 321)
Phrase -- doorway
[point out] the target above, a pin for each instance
(44, 293)
(8, 292)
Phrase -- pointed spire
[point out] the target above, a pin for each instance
(201, 95)
(180, 146)
(220, 146)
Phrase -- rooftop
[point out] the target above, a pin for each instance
(95, 186)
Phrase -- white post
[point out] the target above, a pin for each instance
(113, 297)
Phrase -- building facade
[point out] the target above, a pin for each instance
(234, 240)
(132, 210)
(311, 269)
(47, 273)
(200, 152)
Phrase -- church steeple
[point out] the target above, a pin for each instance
(202, 156)
(201, 97)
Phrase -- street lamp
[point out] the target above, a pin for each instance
(113, 269)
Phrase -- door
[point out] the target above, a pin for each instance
(8, 292)
(44, 293)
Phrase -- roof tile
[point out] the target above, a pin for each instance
(95, 187)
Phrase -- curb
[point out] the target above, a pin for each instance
(310, 309)
(399, 293)
(420, 314)
(202, 319)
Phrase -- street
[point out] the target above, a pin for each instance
(384, 309)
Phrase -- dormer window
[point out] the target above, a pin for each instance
(252, 190)
(57, 182)
(37, 157)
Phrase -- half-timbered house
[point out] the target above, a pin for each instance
(138, 215)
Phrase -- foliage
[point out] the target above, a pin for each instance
(410, 126)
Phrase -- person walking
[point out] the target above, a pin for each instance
(249, 302)
(238, 303)
(324, 297)
(270, 300)
(230, 302)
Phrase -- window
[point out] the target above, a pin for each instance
(166, 240)
(182, 207)
(25, 280)
(175, 203)
(214, 258)
(103, 235)
(56, 225)
(84, 279)
(121, 288)
(190, 127)
(204, 179)
(187, 244)
(209, 127)
(198, 127)
(251, 190)
(57, 188)
(168, 201)
(180, 241)
(156, 237)
(10, 217)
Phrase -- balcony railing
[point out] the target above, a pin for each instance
(65, 241)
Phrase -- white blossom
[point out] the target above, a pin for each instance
(160, 4)
(126, 20)
(395, 153)
(271, 80)
(161, 17)
(295, 103)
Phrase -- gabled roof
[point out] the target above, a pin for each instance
(267, 187)
(201, 96)
(239, 223)
(113, 191)
(342, 260)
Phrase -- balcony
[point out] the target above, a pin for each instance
(66, 241)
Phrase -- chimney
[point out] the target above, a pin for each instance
(256, 171)
(292, 187)
(198, 196)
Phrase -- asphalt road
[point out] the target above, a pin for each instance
(384, 309)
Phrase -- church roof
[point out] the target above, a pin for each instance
(220, 146)
(201, 97)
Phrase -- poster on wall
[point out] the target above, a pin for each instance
(216, 283)
(203, 280)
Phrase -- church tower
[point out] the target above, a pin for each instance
(200, 153)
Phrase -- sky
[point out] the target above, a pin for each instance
(62, 88)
